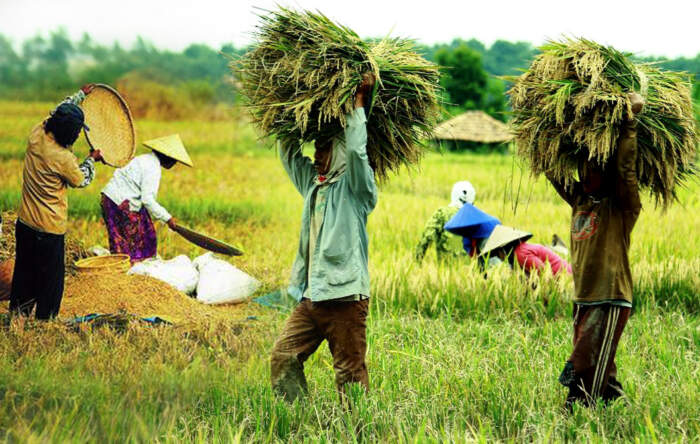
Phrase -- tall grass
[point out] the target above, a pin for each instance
(452, 356)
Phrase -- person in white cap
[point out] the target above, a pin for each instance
(510, 245)
(129, 199)
(447, 245)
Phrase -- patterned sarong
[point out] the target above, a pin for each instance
(129, 232)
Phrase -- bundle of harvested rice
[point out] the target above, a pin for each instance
(301, 75)
(570, 104)
(74, 248)
(134, 294)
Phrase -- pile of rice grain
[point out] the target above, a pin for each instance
(134, 294)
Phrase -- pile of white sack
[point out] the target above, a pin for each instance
(211, 280)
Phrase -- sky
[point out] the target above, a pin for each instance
(661, 28)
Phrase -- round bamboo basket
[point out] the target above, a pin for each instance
(109, 264)
(111, 125)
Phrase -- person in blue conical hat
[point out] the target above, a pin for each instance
(447, 245)
(473, 225)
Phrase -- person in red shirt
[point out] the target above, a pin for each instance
(509, 244)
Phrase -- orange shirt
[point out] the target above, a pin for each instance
(48, 170)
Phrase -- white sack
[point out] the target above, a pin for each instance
(179, 272)
(222, 283)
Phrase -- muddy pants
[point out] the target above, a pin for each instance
(590, 373)
(342, 324)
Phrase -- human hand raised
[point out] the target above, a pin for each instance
(96, 155)
(87, 88)
(637, 102)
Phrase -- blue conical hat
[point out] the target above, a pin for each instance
(471, 222)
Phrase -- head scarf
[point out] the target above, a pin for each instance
(65, 123)
(462, 192)
(338, 163)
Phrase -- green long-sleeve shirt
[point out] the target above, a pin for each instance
(339, 261)
(446, 244)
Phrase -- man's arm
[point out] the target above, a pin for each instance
(79, 96)
(150, 182)
(568, 194)
(626, 185)
(79, 176)
(299, 168)
(359, 174)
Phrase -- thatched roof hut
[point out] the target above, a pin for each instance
(473, 126)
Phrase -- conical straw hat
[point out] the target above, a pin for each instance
(502, 236)
(171, 146)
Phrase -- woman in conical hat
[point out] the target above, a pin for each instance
(509, 244)
(129, 200)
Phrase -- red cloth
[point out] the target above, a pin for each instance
(534, 256)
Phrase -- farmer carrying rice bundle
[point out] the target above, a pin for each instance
(330, 276)
(129, 200)
(50, 167)
(577, 111)
(367, 107)
(571, 107)
(446, 244)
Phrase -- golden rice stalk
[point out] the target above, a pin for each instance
(301, 75)
(570, 104)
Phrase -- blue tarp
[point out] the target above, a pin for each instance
(279, 300)
(471, 222)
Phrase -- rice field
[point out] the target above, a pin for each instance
(452, 356)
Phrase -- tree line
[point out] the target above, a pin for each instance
(49, 67)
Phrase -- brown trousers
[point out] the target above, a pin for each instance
(342, 324)
(590, 373)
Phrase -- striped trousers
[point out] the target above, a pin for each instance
(590, 373)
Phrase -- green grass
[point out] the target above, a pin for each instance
(452, 356)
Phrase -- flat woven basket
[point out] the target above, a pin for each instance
(109, 264)
(111, 126)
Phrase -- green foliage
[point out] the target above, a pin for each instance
(466, 84)
(49, 69)
(463, 77)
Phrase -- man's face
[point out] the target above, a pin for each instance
(591, 178)
(323, 156)
(168, 163)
